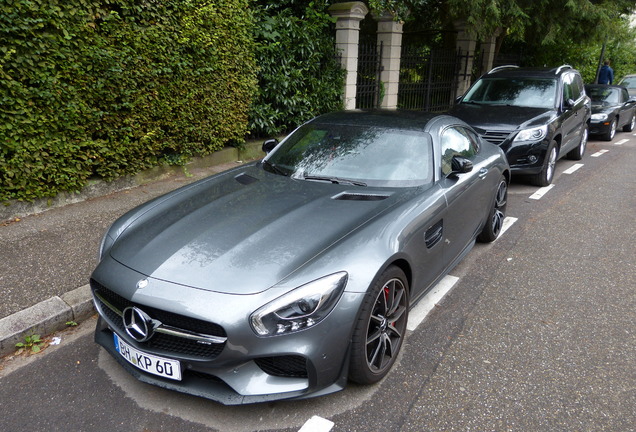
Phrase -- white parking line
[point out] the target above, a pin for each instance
(599, 153)
(540, 192)
(621, 142)
(572, 168)
(428, 302)
(507, 223)
(317, 424)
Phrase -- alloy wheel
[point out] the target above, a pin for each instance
(387, 326)
(612, 131)
(499, 214)
(552, 158)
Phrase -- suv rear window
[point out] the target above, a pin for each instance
(524, 92)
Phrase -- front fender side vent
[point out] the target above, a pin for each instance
(434, 234)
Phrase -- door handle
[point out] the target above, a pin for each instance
(483, 172)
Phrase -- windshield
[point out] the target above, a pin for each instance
(629, 82)
(357, 155)
(603, 95)
(523, 92)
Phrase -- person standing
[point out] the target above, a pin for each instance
(606, 74)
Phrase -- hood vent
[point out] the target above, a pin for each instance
(349, 196)
(245, 179)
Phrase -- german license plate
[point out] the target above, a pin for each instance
(155, 365)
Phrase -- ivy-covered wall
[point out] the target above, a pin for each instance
(109, 87)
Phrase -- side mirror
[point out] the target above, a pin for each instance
(461, 165)
(269, 145)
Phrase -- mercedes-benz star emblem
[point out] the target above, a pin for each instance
(138, 324)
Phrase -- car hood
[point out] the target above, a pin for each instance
(501, 117)
(243, 233)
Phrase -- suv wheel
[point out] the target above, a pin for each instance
(579, 151)
(544, 178)
(611, 132)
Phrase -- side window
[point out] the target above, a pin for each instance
(580, 87)
(567, 89)
(571, 89)
(457, 141)
(624, 95)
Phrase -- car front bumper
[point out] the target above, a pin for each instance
(246, 368)
(599, 128)
(526, 158)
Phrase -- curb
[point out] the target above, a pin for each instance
(45, 317)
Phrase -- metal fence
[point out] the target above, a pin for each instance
(428, 78)
(369, 86)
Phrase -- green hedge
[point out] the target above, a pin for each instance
(299, 69)
(109, 87)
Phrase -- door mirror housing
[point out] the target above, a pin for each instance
(461, 165)
(269, 145)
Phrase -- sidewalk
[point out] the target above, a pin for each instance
(49, 249)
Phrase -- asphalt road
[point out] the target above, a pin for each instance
(536, 335)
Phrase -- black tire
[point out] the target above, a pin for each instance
(544, 178)
(381, 327)
(579, 151)
(631, 125)
(497, 213)
(611, 132)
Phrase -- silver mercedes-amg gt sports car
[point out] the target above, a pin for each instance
(287, 277)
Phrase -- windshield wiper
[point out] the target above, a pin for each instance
(275, 168)
(335, 180)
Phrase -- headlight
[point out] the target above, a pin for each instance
(532, 134)
(301, 308)
(599, 117)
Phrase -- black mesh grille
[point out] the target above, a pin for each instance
(163, 343)
(285, 366)
(495, 137)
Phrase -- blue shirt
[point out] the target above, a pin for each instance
(606, 75)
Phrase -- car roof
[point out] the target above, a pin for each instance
(513, 71)
(394, 119)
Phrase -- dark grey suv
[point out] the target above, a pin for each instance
(536, 115)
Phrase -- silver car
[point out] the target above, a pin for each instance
(287, 277)
(629, 82)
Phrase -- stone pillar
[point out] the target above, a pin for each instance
(488, 52)
(465, 45)
(348, 17)
(390, 38)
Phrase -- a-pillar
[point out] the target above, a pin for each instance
(390, 38)
(465, 45)
(348, 17)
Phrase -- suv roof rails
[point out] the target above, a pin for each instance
(560, 68)
(500, 68)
